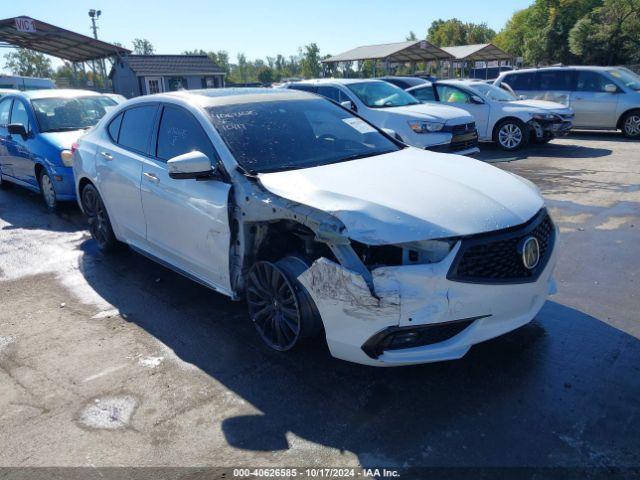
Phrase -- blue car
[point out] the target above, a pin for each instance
(37, 131)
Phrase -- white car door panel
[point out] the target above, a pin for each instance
(187, 219)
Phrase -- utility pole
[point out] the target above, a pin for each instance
(95, 14)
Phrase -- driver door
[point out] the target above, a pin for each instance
(187, 219)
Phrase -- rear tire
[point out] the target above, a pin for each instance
(279, 306)
(48, 190)
(511, 134)
(98, 219)
(631, 124)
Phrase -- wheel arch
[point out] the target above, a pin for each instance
(494, 133)
(624, 114)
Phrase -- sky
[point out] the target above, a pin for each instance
(260, 28)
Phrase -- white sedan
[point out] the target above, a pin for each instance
(500, 116)
(325, 224)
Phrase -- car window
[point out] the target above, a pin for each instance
(379, 94)
(520, 81)
(279, 135)
(554, 80)
(114, 128)
(5, 108)
(180, 133)
(303, 87)
(449, 94)
(330, 92)
(19, 114)
(70, 113)
(424, 94)
(136, 127)
(591, 81)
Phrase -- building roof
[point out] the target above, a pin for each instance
(411, 51)
(146, 65)
(481, 51)
(26, 32)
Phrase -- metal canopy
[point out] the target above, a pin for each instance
(26, 32)
(411, 51)
(479, 52)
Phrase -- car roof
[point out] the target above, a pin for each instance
(567, 67)
(56, 93)
(229, 96)
(340, 81)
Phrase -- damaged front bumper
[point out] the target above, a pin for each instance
(556, 127)
(414, 298)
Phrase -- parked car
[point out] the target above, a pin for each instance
(500, 117)
(603, 98)
(37, 131)
(438, 128)
(116, 97)
(321, 220)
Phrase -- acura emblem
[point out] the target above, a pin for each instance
(530, 251)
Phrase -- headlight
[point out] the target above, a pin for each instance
(544, 116)
(421, 126)
(426, 251)
(67, 158)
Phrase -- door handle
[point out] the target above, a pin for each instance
(151, 177)
(106, 155)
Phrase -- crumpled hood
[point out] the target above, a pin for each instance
(543, 105)
(411, 195)
(63, 140)
(433, 112)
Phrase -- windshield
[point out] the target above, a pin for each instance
(381, 95)
(630, 79)
(275, 135)
(63, 114)
(493, 93)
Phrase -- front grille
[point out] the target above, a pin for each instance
(463, 128)
(463, 145)
(495, 257)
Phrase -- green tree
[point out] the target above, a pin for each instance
(411, 36)
(311, 61)
(266, 75)
(142, 46)
(608, 35)
(28, 63)
(446, 33)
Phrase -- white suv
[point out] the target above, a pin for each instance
(321, 221)
(436, 127)
(500, 116)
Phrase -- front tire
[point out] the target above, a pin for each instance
(546, 138)
(511, 135)
(279, 306)
(631, 124)
(99, 222)
(48, 190)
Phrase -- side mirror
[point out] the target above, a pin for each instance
(17, 129)
(522, 97)
(350, 105)
(477, 100)
(190, 165)
(610, 88)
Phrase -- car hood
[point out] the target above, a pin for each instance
(63, 140)
(411, 195)
(541, 105)
(433, 112)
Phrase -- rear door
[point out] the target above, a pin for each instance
(119, 159)
(187, 219)
(554, 85)
(594, 107)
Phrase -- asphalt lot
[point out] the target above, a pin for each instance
(114, 360)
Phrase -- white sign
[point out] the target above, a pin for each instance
(25, 24)
(359, 125)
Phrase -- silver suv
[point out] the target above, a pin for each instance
(603, 98)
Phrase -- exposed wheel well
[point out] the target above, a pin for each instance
(83, 183)
(624, 114)
(501, 121)
(38, 170)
